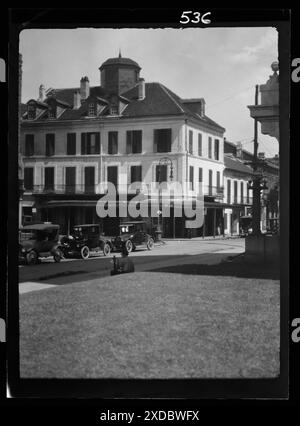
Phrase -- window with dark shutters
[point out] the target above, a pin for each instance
(209, 147)
(71, 143)
(112, 175)
(242, 192)
(191, 137)
(162, 140)
(235, 191)
(228, 191)
(200, 174)
(210, 182)
(134, 141)
(89, 179)
(217, 149)
(200, 144)
(50, 144)
(218, 181)
(191, 177)
(112, 143)
(28, 178)
(136, 174)
(70, 179)
(90, 143)
(29, 145)
(49, 178)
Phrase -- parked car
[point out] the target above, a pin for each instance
(132, 235)
(39, 241)
(85, 240)
(245, 226)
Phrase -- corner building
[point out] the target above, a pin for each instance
(123, 130)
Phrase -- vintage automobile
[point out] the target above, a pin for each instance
(245, 225)
(39, 241)
(85, 240)
(132, 235)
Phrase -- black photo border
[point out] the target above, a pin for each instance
(191, 389)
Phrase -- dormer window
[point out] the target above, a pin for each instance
(114, 110)
(31, 112)
(92, 109)
(52, 112)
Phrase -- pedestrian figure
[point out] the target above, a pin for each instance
(122, 265)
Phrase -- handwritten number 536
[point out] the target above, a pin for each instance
(197, 17)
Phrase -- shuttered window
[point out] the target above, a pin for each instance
(162, 140)
(49, 177)
(191, 180)
(200, 144)
(134, 141)
(136, 174)
(28, 178)
(29, 145)
(112, 143)
(71, 143)
(90, 143)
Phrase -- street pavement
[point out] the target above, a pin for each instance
(174, 252)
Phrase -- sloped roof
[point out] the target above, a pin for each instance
(120, 61)
(23, 108)
(233, 163)
(158, 101)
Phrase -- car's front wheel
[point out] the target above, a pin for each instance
(57, 256)
(150, 244)
(32, 258)
(129, 246)
(106, 249)
(85, 252)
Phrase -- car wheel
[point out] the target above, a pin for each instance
(129, 246)
(32, 258)
(85, 252)
(106, 249)
(57, 256)
(150, 244)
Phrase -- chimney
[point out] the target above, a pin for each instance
(76, 100)
(261, 155)
(141, 89)
(42, 93)
(84, 88)
(202, 107)
(239, 150)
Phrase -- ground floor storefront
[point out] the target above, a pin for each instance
(218, 218)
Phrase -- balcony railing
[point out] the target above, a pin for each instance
(213, 191)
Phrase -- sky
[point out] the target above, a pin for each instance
(221, 65)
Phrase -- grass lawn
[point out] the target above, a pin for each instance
(152, 325)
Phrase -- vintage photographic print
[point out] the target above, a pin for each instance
(149, 203)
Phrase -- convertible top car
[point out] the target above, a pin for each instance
(39, 240)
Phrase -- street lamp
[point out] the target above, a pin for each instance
(162, 162)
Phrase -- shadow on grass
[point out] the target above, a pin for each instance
(237, 268)
(201, 264)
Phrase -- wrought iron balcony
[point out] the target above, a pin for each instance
(213, 191)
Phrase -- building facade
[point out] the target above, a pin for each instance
(237, 174)
(123, 131)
